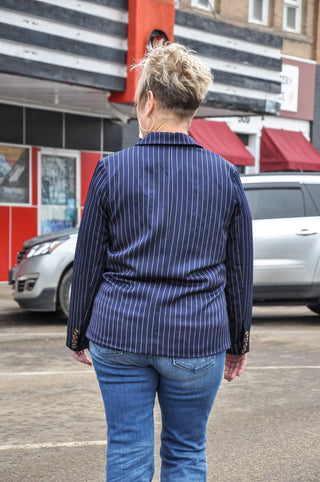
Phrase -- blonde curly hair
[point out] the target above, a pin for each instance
(178, 80)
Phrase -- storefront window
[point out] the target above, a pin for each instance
(14, 174)
(58, 192)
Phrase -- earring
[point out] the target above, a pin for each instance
(150, 128)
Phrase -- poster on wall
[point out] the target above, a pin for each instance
(14, 175)
(58, 192)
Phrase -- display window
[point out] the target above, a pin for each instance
(59, 190)
(15, 174)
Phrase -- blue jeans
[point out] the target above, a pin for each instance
(186, 390)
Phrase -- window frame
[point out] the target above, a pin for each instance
(196, 4)
(297, 5)
(57, 152)
(263, 189)
(265, 13)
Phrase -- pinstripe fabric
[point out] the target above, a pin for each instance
(163, 263)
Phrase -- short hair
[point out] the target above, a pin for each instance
(177, 78)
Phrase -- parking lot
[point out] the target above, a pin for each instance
(265, 426)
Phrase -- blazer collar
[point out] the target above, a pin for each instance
(163, 138)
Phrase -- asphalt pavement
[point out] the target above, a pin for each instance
(265, 426)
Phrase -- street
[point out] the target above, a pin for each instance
(265, 426)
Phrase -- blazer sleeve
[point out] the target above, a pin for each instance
(90, 259)
(239, 265)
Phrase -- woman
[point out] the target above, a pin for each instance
(162, 283)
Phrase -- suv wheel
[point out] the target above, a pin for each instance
(64, 293)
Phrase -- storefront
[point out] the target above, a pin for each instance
(66, 97)
(283, 143)
(41, 190)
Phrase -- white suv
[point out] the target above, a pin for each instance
(286, 230)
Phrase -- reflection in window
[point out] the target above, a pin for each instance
(275, 203)
(58, 192)
(259, 11)
(315, 192)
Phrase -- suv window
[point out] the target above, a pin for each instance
(314, 189)
(273, 203)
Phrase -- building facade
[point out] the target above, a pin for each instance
(67, 91)
(297, 23)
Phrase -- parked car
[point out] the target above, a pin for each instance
(41, 279)
(286, 231)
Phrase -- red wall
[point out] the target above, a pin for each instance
(4, 242)
(88, 161)
(145, 16)
(306, 90)
(24, 226)
(19, 223)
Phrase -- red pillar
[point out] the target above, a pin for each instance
(145, 18)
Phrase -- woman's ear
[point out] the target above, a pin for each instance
(150, 103)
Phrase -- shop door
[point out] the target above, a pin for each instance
(58, 190)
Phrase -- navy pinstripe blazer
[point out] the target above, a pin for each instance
(163, 263)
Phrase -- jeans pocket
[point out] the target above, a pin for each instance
(104, 351)
(194, 364)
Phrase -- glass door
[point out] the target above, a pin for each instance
(58, 190)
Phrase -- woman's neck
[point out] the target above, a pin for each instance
(167, 127)
(157, 119)
(169, 123)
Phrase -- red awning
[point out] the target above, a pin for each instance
(283, 150)
(219, 138)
